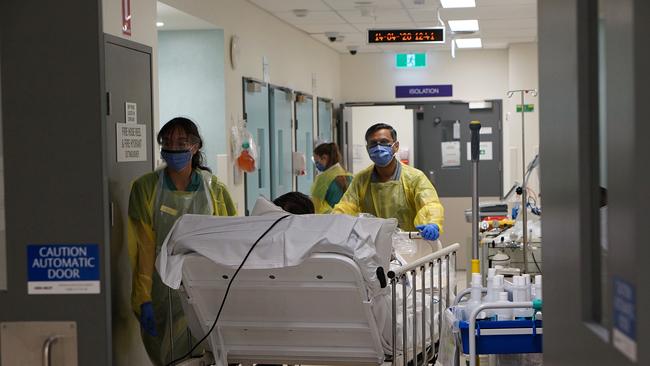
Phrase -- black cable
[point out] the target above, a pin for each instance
(535, 260)
(223, 302)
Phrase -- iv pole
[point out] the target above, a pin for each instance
(524, 194)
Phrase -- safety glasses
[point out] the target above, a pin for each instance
(179, 144)
(372, 144)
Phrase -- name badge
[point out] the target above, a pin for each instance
(168, 210)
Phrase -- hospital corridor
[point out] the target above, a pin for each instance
(324, 182)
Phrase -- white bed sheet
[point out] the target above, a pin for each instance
(226, 240)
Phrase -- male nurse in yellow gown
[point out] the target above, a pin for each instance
(390, 189)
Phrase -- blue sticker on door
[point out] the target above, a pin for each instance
(624, 306)
(63, 269)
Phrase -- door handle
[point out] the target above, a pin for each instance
(108, 104)
(431, 176)
(47, 347)
(112, 208)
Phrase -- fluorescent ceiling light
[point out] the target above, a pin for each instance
(469, 43)
(160, 24)
(458, 3)
(463, 25)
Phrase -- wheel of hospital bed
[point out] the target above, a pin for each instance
(315, 313)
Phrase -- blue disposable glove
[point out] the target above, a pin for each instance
(147, 320)
(429, 231)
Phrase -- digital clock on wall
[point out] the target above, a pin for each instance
(420, 35)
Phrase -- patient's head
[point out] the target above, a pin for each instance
(295, 203)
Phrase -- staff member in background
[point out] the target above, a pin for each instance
(332, 181)
(157, 199)
(390, 189)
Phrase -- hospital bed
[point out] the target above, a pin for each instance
(334, 302)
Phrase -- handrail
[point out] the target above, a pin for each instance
(424, 260)
(465, 292)
(409, 235)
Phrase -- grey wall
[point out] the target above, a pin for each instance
(56, 191)
(191, 80)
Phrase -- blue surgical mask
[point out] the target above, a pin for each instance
(320, 167)
(176, 160)
(381, 155)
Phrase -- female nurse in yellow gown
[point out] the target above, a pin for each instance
(332, 181)
(157, 200)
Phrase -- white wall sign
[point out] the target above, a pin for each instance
(131, 113)
(485, 150)
(131, 142)
(450, 154)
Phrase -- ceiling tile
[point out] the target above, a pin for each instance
(275, 6)
(322, 28)
(424, 15)
(356, 38)
(364, 27)
(508, 24)
(491, 12)
(354, 4)
(506, 2)
(314, 17)
(342, 47)
(380, 16)
(501, 21)
(511, 39)
(505, 33)
(428, 5)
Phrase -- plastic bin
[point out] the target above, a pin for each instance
(504, 337)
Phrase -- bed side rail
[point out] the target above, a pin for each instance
(408, 276)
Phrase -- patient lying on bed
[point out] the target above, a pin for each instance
(296, 203)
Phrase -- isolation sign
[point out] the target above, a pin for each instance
(63, 269)
(423, 91)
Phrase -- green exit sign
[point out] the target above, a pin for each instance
(410, 60)
(527, 108)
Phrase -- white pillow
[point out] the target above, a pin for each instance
(265, 207)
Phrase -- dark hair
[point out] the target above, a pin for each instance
(296, 203)
(190, 128)
(330, 149)
(381, 126)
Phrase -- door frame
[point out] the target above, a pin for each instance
(318, 125)
(295, 130)
(245, 114)
(292, 129)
